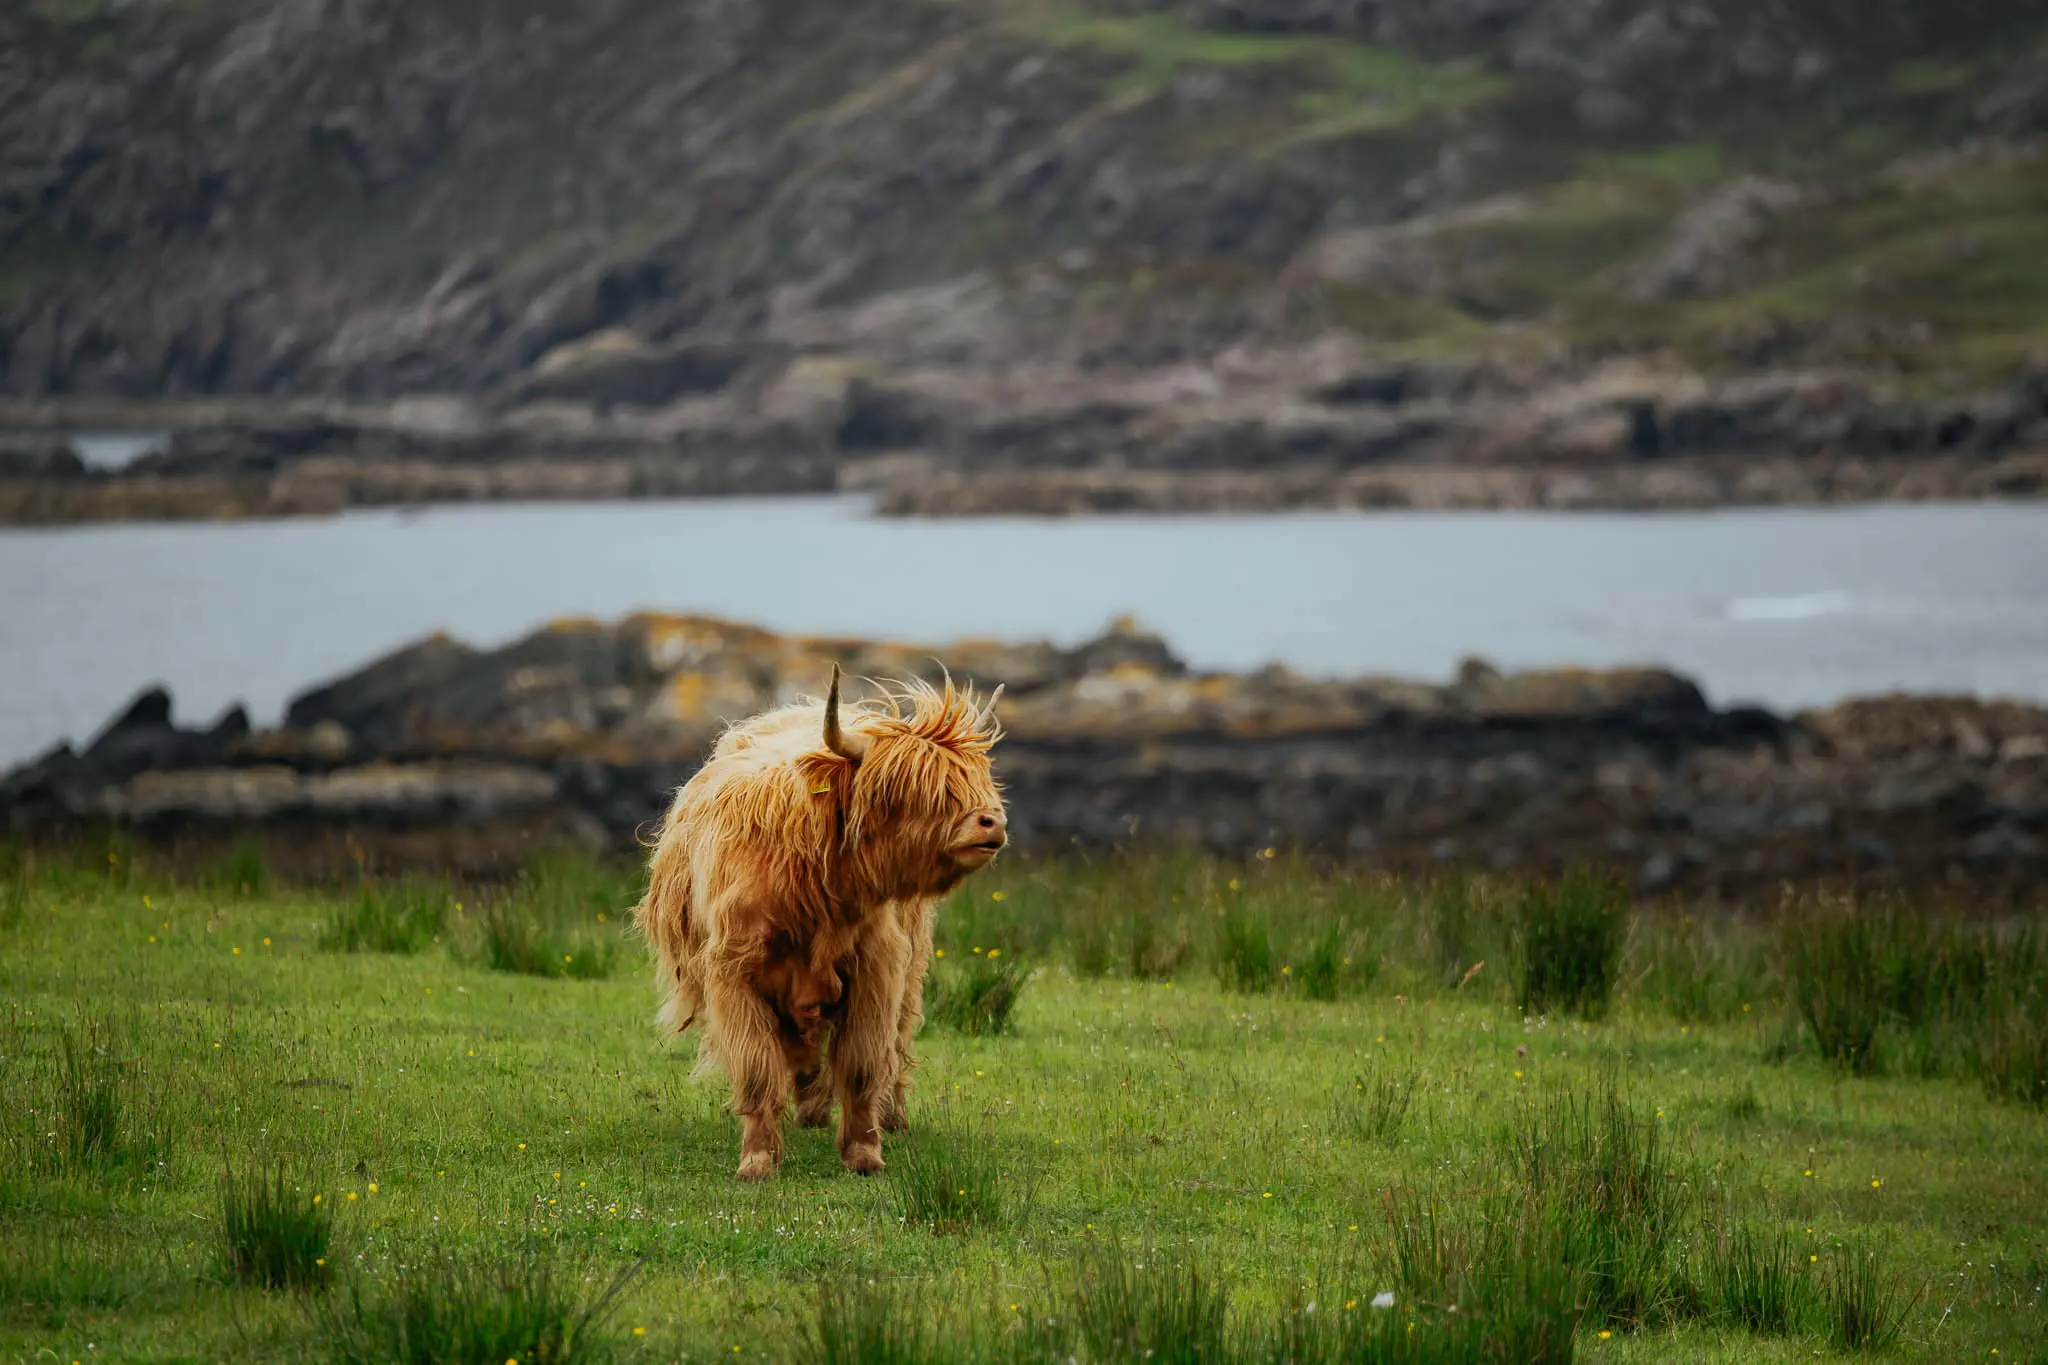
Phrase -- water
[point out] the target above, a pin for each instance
(1785, 607)
(111, 450)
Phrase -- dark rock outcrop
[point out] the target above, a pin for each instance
(582, 730)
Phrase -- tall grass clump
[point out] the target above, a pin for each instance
(1464, 921)
(53, 1279)
(1245, 959)
(243, 870)
(559, 919)
(948, 1179)
(977, 996)
(1376, 1107)
(1890, 986)
(273, 1234)
(438, 1307)
(870, 1324)
(1612, 1193)
(92, 1115)
(400, 917)
(1698, 970)
(1864, 1308)
(1757, 1281)
(14, 894)
(2012, 1057)
(1570, 936)
(1497, 1289)
(1156, 1309)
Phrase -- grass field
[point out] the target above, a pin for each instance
(1170, 1109)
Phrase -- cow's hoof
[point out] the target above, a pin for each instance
(865, 1159)
(758, 1166)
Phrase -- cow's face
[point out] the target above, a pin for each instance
(978, 837)
(924, 811)
(929, 816)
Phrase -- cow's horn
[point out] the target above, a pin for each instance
(844, 743)
(988, 711)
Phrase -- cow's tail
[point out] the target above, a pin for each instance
(663, 918)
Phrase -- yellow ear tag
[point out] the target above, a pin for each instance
(823, 788)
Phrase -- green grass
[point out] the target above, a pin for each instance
(1151, 1160)
(450, 1305)
(1338, 87)
(950, 1178)
(274, 1234)
(975, 995)
(402, 917)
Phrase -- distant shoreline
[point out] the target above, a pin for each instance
(328, 486)
(1625, 441)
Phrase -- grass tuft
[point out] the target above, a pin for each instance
(1611, 1194)
(530, 1306)
(1155, 1309)
(977, 997)
(1376, 1107)
(869, 1324)
(560, 920)
(2012, 1057)
(1865, 1311)
(1758, 1281)
(90, 1105)
(1571, 935)
(947, 1179)
(48, 1282)
(273, 1234)
(1744, 1106)
(1244, 952)
(244, 871)
(404, 917)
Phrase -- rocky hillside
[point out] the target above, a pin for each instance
(941, 226)
(583, 730)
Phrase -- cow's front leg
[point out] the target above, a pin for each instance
(743, 1027)
(864, 1048)
(918, 917)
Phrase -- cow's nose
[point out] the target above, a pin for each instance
(995, 826)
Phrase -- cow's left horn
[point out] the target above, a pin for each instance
(988, 711)
(846, 744)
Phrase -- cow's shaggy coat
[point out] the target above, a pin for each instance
(790, 898)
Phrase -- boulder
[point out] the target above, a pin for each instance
(615, 368)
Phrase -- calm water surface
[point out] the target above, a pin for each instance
(1786, 607)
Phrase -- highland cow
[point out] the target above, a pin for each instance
(790, 897)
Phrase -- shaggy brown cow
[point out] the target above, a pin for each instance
(790, 895)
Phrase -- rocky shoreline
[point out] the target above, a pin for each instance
(577, 733)
(1321, 426)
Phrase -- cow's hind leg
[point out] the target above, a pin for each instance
(744, 1028)
(814, 1098)
(864, 1047)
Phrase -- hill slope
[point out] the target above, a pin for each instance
(375, 196)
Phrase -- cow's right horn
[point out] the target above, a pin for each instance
(847, 744)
